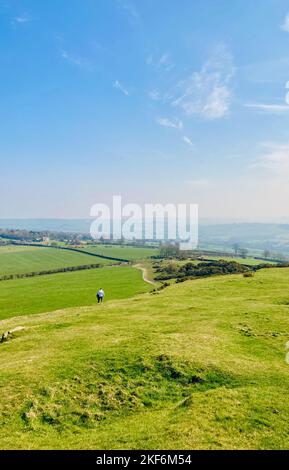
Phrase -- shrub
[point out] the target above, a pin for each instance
(192, 271)
(248, 274)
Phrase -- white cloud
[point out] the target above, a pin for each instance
(155, 95)
(20, 20)
(163, 62)
(208, 93)
(71, 58)
(274, 161)
(187, 140)
(76, 60)
(218, 103)
(273, 108)
(285, 25)
(118, 86)
(164, 59)
(130, 8)
(175, 124)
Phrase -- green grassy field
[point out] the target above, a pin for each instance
(72, 289)
(200, 365)
(125, 252)
(248, 261)
(23, 259)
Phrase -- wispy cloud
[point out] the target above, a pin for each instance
(161, 62)
(20, 20)
(187, 140)
(165, 62)
(269, 108)
(208, 93)
(164, 98)
(285, 25)
(76, 60)
(175, 124)
(165, 122)
(118, 86)
(129, 7)
(274, 160)
(155, 95)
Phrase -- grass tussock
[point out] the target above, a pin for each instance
(97, 394)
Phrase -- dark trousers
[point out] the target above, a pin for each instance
(99, 299)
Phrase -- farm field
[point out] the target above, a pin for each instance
(25, 259)
(199, 365)
(71, 289)
(130, 253)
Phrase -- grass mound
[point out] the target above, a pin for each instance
(103, 390)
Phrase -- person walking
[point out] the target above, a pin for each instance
(100, 295)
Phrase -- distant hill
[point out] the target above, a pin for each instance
(255, 236)
(53, 225)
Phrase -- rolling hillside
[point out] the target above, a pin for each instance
(200, 365)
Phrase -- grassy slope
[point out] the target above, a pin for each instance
(71, 289)
(14, 260)
(199, 365)
(248, 261)
(125, 252)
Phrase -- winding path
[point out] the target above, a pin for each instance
(144, 274)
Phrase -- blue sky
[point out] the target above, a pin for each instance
(159, 101)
